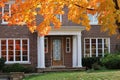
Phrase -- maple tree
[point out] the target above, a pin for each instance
(25, 12)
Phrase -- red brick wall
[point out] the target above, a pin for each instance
(22, 32)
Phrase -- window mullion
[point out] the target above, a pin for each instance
(90, 49)
(96, 47)
(21, 50)
(14, 49)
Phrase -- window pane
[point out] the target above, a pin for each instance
(106, 43)
(24, 47)
(17, 47)
(10, 47)
(10, 55)
(99, 51)
(99, 45)
(106, 50)
(93, 46)
(18, 58)
(87, 45)
(46, 45)
(25, 58)
(24, 52)
(3, 47)
(87, 41)
(17, 52)
(3, 42)
(93, 40)
(68, 44)
(3, 54)
(24, 42)
(94, 51)
(17, 41)
(10, 58)
(10, 42)
(100, 41)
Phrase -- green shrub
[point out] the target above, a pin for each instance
(89, 61)
(111, 61)
(17, 68)
(2, 63)
(96, 66)
(13, 68)
(29, 70)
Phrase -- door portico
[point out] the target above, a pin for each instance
(76, 48)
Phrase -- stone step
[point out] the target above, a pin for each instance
(4, 77)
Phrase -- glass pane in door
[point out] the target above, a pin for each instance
(56, 49)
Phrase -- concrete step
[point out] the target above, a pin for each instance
(60, 69)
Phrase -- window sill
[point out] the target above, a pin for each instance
(20, 62)
(4, 23)
(94, 24)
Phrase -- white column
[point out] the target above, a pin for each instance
(74, 55)
(79, 51)
(97, 47)
(41, 55)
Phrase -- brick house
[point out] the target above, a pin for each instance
(60, 48)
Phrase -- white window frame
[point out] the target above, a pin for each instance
(46, 43)
(3, 21)
(93, 19)
(14, 61)
(97, 54)
(68, 39)
(59, 16)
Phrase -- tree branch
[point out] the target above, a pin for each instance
(83, 7)
(116, 4)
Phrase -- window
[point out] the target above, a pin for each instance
(59, 16)
(96, 46)
(6, 10)
(15, 50)
(68, 45)
(93, 19)
(46, 45)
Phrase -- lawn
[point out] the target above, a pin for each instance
(96, 75)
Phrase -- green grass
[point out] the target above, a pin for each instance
(95, 75)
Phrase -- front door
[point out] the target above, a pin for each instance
(57, 56)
